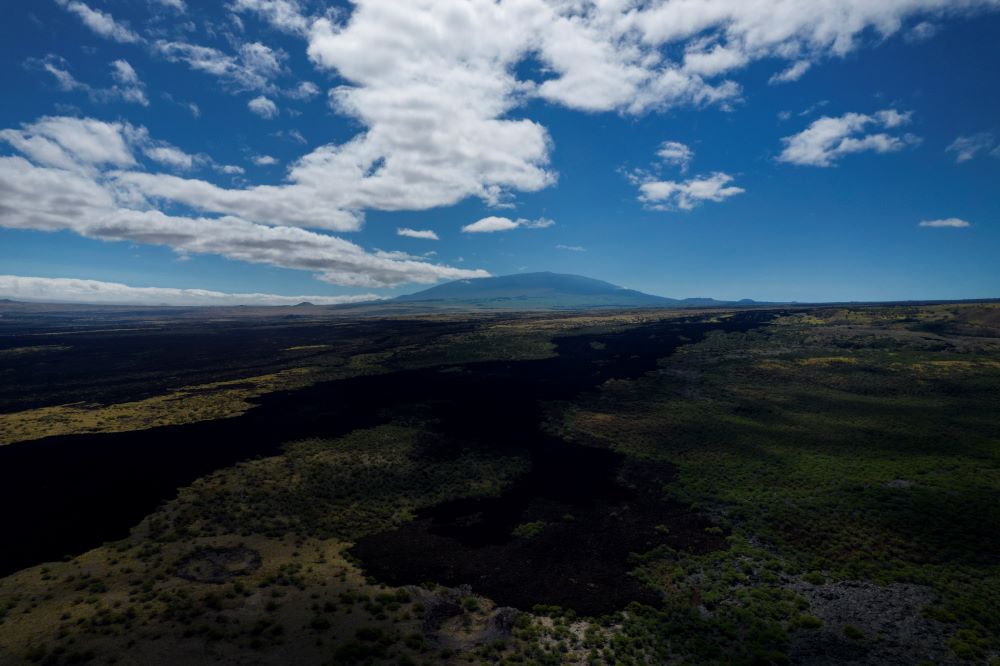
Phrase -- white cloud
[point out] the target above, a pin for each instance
(788, 28)
(794, 72)
(922, 31)
(657, 193)
(170, 156)
(73, 144)
(174, 4)
(254, 67)
(67, 184)
(967, 147)
(71, 290)
(263, 107)
(492, 224)
(686, 195)
(809, 110)
(292, 134)
(84, 144)
(162, 152)
(285, 15)
(675, 153)
(306, 90)
(124, 73)
(433, 83)
(435, 86)
(264, 160)
(891, 118)
(489, 225)
(102, 23)
(56, 66)
(427, 234)
(714, 61)
(949, 223)
(127, 86)
(571, 248)
(828, 139)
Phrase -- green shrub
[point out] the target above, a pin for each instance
(853, 632)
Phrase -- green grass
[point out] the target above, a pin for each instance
(856, 450)
(850, 444)
(368, 481)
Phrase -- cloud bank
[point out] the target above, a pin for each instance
(70, 290)
(80, 174)
(436, 88)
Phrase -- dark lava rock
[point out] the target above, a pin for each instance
(447, 623)
(889, 617)
(500, 624)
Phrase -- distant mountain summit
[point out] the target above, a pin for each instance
(544, 291)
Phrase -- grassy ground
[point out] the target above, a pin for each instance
(290, 367)
(852, 455)
(842, 445)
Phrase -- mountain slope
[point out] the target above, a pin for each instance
(542, 291)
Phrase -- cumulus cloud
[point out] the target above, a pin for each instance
(253, 67)
(488, 225)
(828, 139)
(713, 61)
(102, 23)
(127, 83)
(285, 15)
(75, 175)
(263, 107)
(174, 4)
(171, 156)
(306, 90)
(676, 154)
(427, 234)
(658, 193)
(59, 69)
(127, 86)
(571, 248)
(433, 84)
(84, 144)
(264, 160)
(72, 144)
(794, 72)
(922, 31)
(688, 194)
(492, 224)
(964, 148)
(949, 223)
(600, 56)
(124, 73)
(71, 290)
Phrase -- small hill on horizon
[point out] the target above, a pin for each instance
(546, 291)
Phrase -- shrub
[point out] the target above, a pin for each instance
(853, 632)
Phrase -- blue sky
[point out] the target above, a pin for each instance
(847, 150)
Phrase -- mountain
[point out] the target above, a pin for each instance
(544, 291)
